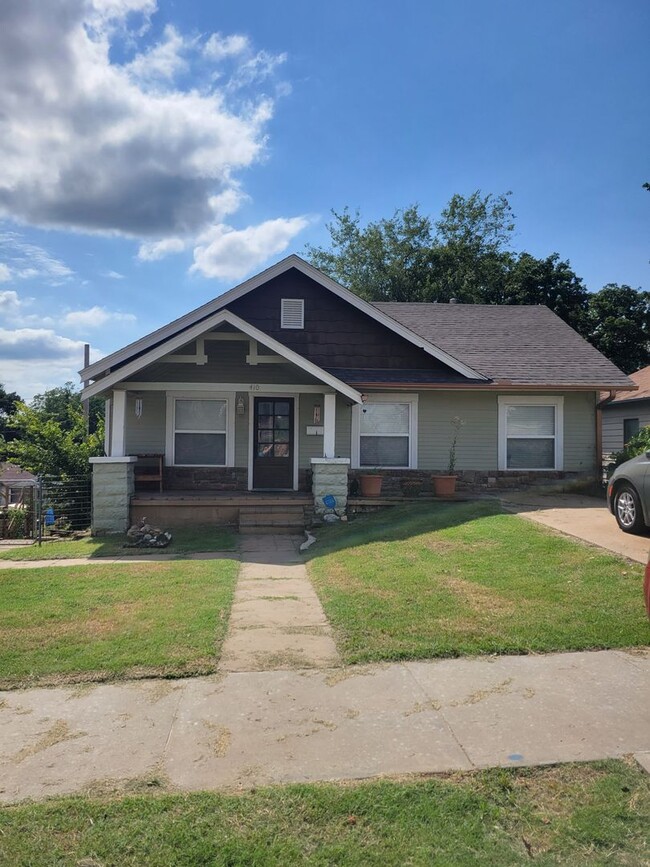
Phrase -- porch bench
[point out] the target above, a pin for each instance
(150, 470)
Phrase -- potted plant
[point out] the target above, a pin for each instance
(370, 485)
(445, 485)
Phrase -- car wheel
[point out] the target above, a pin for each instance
(627, 509)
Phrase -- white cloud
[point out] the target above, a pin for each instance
(29, 261)
(9, 302)
(218, 46)
(91, 145)
(35, 359)
(226, 253)
(5, 273)
(94, 317)
(150, 251)
(112, 275)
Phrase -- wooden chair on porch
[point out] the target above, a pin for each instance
(149, 468)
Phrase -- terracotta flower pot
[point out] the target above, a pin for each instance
(444, 486)
(370, 486)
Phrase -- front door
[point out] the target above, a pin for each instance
(273, 443)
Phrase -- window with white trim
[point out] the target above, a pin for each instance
(292, 313)
(530, 435)
(385, 433)
(200, 427)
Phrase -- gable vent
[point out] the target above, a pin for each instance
(293, 313)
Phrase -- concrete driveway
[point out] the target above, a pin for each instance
(586, 518)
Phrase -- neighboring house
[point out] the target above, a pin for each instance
(13, 484)
(627, 413)
(290, 373)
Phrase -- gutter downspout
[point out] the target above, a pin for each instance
(599, 430)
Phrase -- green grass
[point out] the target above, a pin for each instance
(595, 814)
(100, 622)
(428, 580)
(185, 540)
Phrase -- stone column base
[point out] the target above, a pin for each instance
(330, 477)
(113, 487)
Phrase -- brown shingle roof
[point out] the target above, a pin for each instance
(642, 379)
(12, 474)
(517, 344)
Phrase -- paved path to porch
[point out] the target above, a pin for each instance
(248, 729)
(277, 621)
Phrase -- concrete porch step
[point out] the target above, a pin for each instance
(271, 519)
(270, 530)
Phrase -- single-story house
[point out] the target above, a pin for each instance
(291, 383)
(15, 483)
(627, 413)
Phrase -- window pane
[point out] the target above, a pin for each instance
(529, 421)
(281, 408)
(264, 451)
(265, 436)
(265, 421)
(385, 418)
(630, 429)
(384, 451)
(281, 451)
(265, 408)
(535, 454)
(205, 415)
(282, 422)
(281, 436)
(202, 449)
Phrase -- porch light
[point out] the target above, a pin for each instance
(138, 407)
(241, 407)
(317, 413)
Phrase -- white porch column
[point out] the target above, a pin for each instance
(118, 422)
(329, 426)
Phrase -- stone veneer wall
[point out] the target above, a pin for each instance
(330, 476)
(472, 480)
(113, 487)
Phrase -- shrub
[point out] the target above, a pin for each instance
(636, 446)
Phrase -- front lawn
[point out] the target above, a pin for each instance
(99, 622)
(433, 580)
(577, 815)
(185, 540)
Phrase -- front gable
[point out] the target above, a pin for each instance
(335, 335)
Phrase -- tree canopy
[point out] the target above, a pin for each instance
(50, 434)
(466, 255)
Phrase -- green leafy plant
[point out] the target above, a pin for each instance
(456, 423)
(639, 444)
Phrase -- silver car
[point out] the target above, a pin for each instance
(628, 494)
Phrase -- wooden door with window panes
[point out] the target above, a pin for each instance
(273, 443)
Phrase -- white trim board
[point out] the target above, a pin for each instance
(293, 261)
(195, 331)
(249, 387)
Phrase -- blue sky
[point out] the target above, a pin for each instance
(154, 154)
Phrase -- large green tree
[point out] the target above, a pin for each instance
(466, 255)
(9, 400)
(619, 325)
(51, 436)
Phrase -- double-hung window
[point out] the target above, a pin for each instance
(630, 429)
(385, 433)
(530, 433)
(199, 433)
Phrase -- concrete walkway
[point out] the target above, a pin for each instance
(586, 518)
(253, 728)
(277, 620)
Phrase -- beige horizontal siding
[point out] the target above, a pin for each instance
(613, 423)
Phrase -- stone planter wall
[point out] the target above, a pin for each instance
(473, 481)
(113, 487)
(330, 476)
